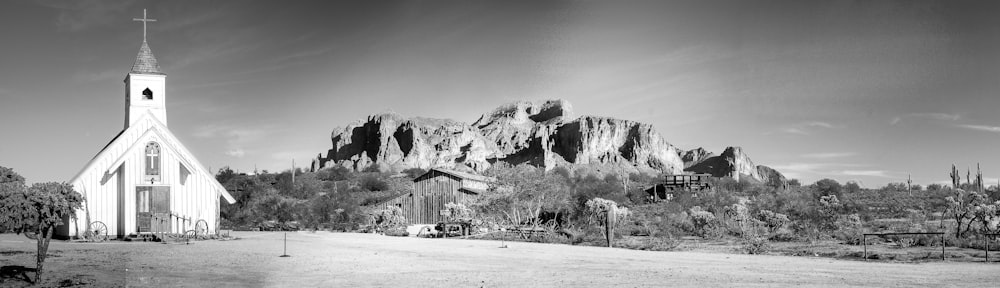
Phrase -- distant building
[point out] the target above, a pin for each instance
(144, 180)
(675, 183)
(434, 189)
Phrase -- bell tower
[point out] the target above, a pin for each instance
(145, 85)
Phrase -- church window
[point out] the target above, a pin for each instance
(184, 173)
(147, 94)
(152, 166)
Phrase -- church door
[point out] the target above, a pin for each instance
(152, 209)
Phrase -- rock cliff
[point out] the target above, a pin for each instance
(733, 162)
(541, 134)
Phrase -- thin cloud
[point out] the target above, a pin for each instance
(828, 155)
(236, 152)
(869, 173)
(85, 14)
(797, 170)
(794, 131)
(985, 128)
(821, 124)
(932, 116)
(806, 128)
(237, 138)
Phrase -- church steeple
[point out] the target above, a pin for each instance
(145, 84)
(145, 63)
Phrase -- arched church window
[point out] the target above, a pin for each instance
(147, 94)
(152, 166)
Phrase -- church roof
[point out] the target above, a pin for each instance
(118, 150)
(145, 63)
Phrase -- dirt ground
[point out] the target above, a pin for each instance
(324, 259)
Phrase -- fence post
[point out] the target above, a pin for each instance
(864, 240)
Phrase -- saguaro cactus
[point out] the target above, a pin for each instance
(608, 213)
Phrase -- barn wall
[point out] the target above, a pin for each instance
(431, 192)
(195, 199)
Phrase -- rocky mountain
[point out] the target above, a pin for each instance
(541, 134)
(733, 162)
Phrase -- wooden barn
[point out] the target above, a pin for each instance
(434, 189)
(144, 180)
(679, 182)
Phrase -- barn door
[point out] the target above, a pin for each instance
(152, 208)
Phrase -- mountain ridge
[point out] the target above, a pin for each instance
(542, 134)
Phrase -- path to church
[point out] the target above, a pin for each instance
(351, 260)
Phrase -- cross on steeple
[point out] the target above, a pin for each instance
(144, 20)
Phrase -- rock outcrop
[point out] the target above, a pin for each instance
(694, 156)
(541, 134)
(396, 143)
(733, 162)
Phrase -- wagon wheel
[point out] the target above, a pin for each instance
(201, 228)
(98, 231)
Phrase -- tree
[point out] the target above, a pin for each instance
(852, 187)
(794, 183)
(962, 206)
(37, 209)
(828, 187)
(521, 193)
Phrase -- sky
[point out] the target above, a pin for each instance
(867, 91)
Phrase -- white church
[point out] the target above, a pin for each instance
(145, 181)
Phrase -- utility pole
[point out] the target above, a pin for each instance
(293, 173)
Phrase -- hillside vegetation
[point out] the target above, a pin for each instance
(751, 214)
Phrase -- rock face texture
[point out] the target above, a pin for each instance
(396, 143)
(540, 134)
(694, 156)
(733, 162)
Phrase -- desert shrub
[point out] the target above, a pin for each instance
(374, 168)
(414, 172)
(783, 235)
(335, 173)
(828, 187)
(372, 182)
(458, 212)
(399, 231)
(753, 235)
(574, 235)
(849, 229)
(701, 220)
(755, 243)
(648, 243)
(773, 221)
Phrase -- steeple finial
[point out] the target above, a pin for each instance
(144, 20)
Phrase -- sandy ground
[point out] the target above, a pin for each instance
(325, 259)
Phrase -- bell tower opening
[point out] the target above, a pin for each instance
(147, 94)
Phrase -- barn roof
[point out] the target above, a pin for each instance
(145, 63)
(459, 174)
(169, 140)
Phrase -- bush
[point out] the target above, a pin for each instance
(374, 168)
(372, 182)
(414, 172)
(773, 221)
(648, 243)
(755, 244)
(828, 187)
(701, 220)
